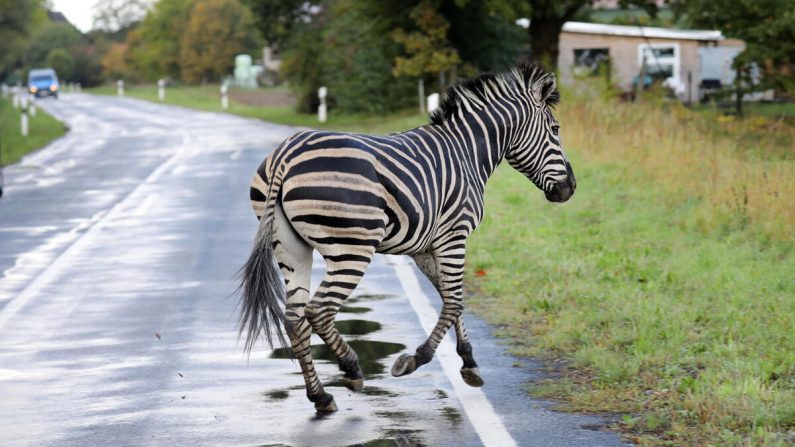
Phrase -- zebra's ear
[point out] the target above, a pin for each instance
(542, 89)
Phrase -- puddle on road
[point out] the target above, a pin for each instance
(394, 439)
(369, 297)
(370, 353)
(277, 394)
(354, 310)
(440, 394)
(452, 415)
(356, 327)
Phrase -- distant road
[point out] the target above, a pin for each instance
(119, 245)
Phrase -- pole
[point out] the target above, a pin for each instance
(23, 117)
(421, 88)
(120, 87)
(738, 93)
(224, 97)
(641, 79)
(321, 109)
(161, 89)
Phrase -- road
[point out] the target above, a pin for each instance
(119, 245)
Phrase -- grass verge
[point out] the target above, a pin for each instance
(667, 284)
(208, 98)
(43, 128)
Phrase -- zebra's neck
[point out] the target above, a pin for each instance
(485, 135)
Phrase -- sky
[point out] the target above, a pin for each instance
(79, 12)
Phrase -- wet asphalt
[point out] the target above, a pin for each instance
(119, 245)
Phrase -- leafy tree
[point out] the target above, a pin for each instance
(301, 63)
(154, 46)
(113, 15)
(17, 20)
(53, 35)
(547, 18)
(766, 26)
(275, 19)
(428, 49)
(62, 61)
(485, 36)
(115, 62)
(217, 31)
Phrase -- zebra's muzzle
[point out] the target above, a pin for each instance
(561, 191)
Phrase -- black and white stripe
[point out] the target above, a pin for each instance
(418, 193)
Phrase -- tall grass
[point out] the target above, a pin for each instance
(745, 169)
(667, 283)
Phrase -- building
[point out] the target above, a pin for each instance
(689, 61)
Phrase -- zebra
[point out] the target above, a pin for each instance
(416, 193)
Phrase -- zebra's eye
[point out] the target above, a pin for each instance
(555, 129)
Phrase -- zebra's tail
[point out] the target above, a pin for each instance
(263, 293)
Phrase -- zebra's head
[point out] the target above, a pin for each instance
(537, 151)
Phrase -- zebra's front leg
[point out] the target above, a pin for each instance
(295, 260)
(449, 274)
(469, 371)
(342, 276)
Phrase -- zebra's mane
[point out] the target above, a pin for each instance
(482, 90)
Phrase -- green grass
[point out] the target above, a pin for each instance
(208, 98)
(667, 305)
(43, 128)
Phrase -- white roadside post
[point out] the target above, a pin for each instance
(421, 91)
(433, 102)
(321, 109)
(15, 95)
(120, 87)
(224, 97)
(77, 87)
(161, 89)
(23, 117)
(33, 107)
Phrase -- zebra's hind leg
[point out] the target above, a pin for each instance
(294, 256)
(469, 371)
(343, 274)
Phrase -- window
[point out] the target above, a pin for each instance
(588, 61)
(662, 60)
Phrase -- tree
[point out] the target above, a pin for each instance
(114, 15)
(428, 49)
(766, 26)
(62, 61)
(547, 18)
(53, 35)
(275, 19)
(155, 45)
(17, 20)
(115, 62)
(217, 31)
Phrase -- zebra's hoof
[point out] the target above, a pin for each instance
(472, 377)
(326, 404)
(355, 385)
(405, 364)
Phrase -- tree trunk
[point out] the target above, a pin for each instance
(544, 35)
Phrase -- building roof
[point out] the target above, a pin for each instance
(641, 31)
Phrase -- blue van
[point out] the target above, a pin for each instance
(43, 82)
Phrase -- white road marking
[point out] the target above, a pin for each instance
(479, 410)
(63, 261)
(146, 205)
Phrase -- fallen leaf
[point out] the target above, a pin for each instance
(480, 272)
(180, 374)
(157, 334)
(183, 397)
